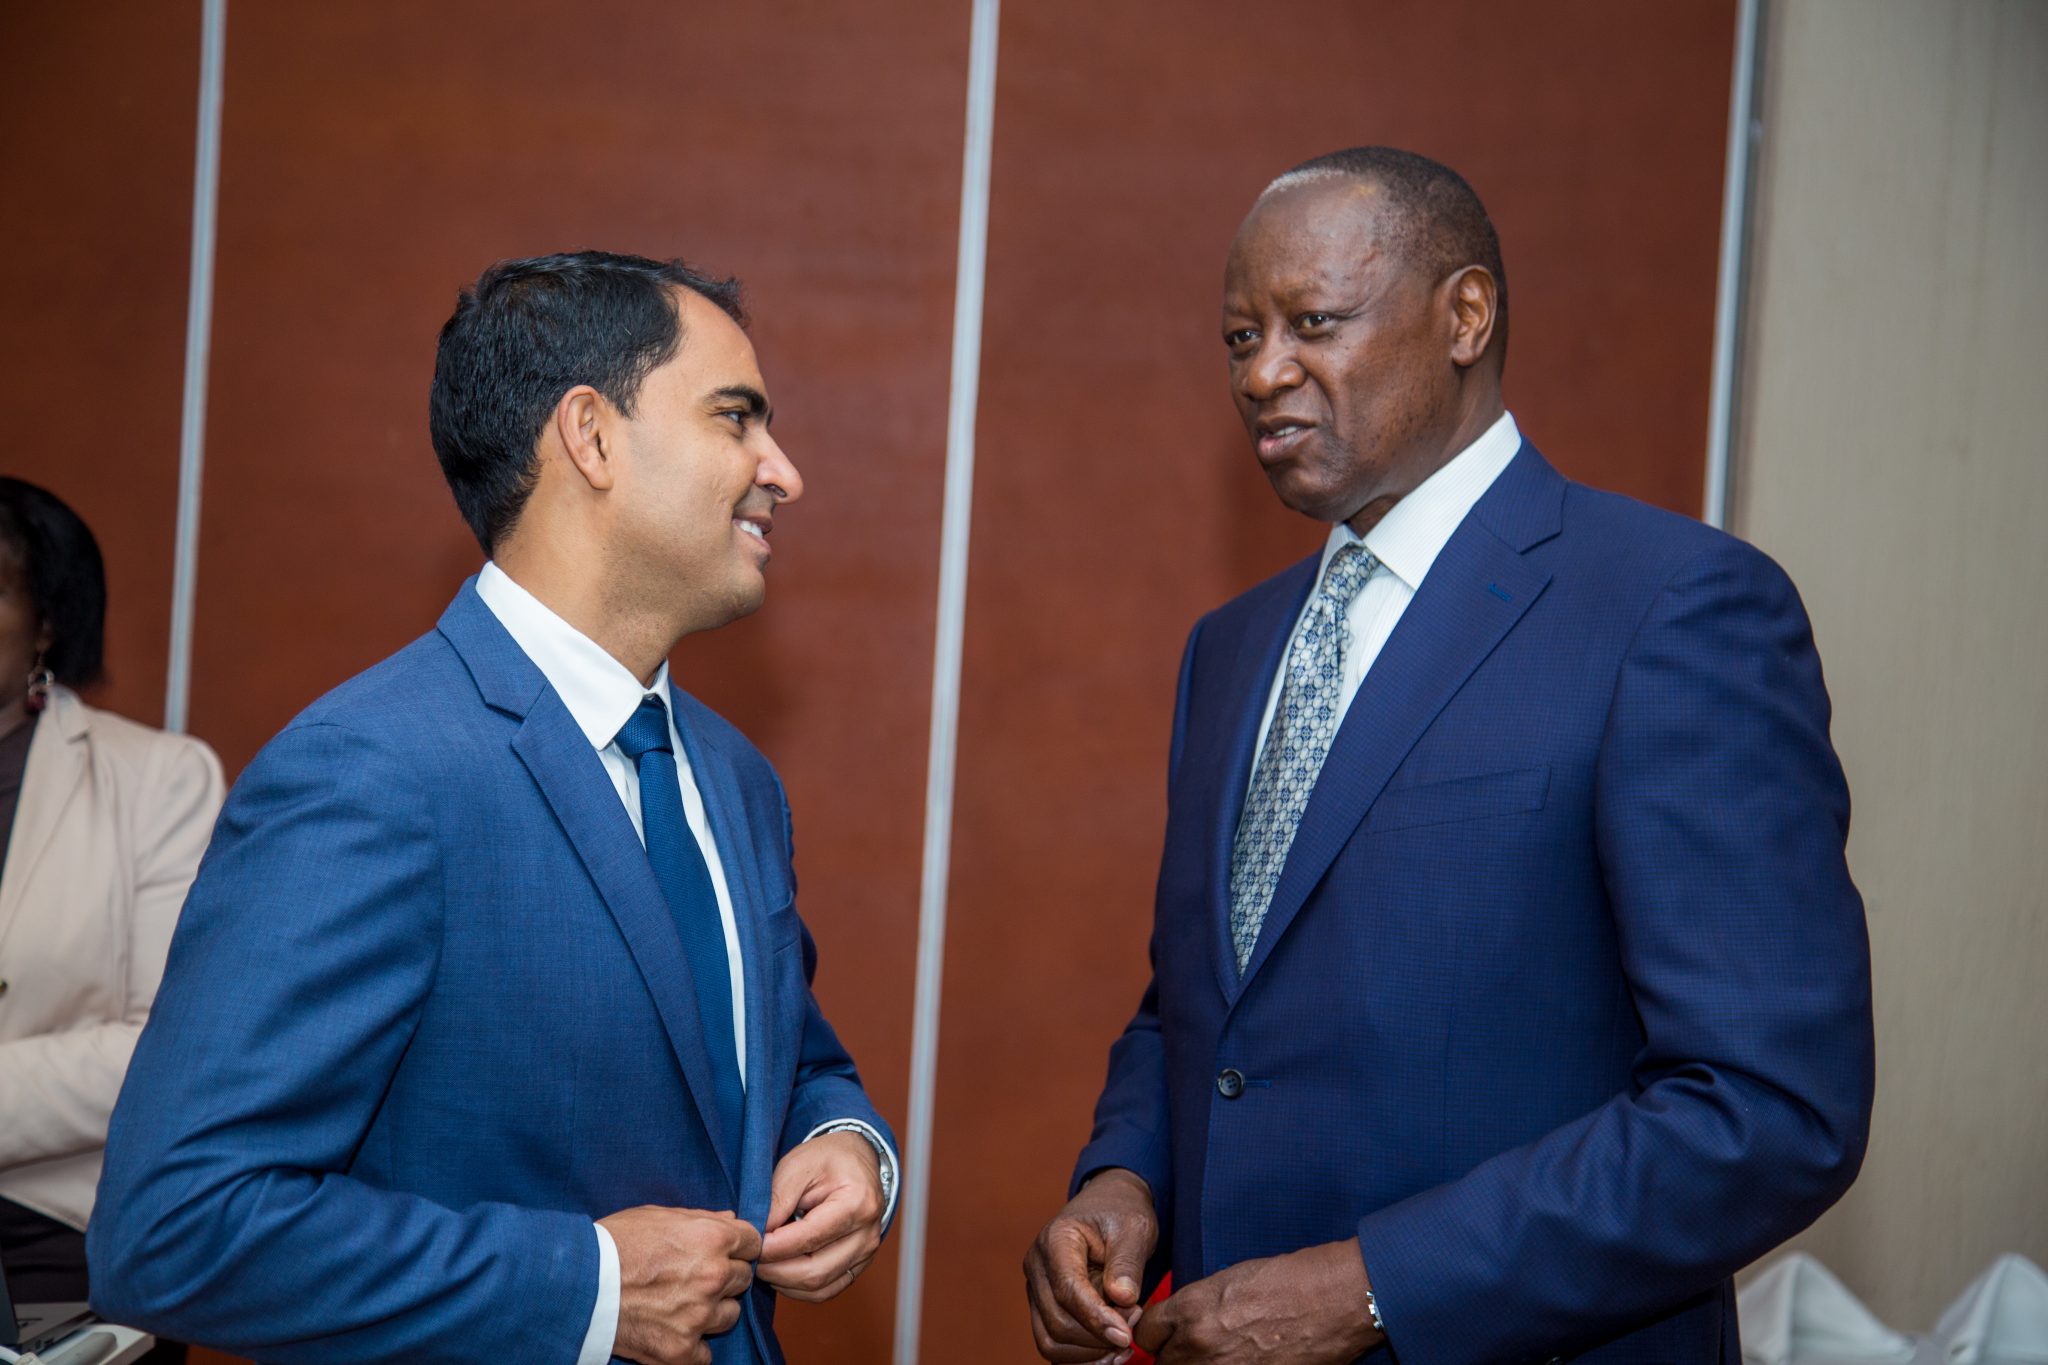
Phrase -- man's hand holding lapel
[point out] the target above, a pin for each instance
(681, 1274)
(824, 1216)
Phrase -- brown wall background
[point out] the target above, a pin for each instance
(97, 111)
(376, 155)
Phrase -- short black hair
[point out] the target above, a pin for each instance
(526, 333)
(59, 562)
(1431, 216)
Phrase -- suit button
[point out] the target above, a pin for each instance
(3, 988)
(1230, 1082)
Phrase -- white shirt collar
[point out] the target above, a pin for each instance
(1415, 530)
(600, 692)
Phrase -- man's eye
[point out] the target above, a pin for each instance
(1242, 337)
(738, 415)
(1311, 321)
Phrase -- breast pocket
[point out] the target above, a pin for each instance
(781, 929)
(1459, 798)
(782, 939)
(783, 1011)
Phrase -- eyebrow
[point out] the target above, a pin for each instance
(756, 401)
(1302, 288)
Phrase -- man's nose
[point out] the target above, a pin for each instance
(777, 471)
(1270, 369)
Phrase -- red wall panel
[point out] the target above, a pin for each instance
(1117, 498)
(97, 117)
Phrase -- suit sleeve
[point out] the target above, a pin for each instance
(60, 1087)
(1721, 815)
(227, 1214)
(1131, 1129)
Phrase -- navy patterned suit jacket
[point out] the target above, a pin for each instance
(1562, 1004)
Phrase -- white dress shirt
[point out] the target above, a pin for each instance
(1406, 542)
(601, 695)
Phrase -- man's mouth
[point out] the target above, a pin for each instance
(1278, 438)
(756, 528)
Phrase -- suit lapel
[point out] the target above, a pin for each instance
(572, 779)
(1477, 590)
(52, 779)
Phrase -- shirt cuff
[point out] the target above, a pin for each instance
(892, 1170)
(604, 1315)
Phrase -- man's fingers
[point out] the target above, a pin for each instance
(1063, 1337)
(839, 1214)
(1077, 1295)
(822, 1270)
(823, 1282)
(807, 1236)
(739, 1275)
(784, 1194)
(1155, 1327)
(1067, 1248)
(1059, 1353)
(746, 1241)
(1062, 1352)
(1124, 1267)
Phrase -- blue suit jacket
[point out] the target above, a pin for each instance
(426, 1016)
(1562, 1004)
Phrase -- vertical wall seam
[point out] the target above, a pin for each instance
(198, 354)
(961, 408)
(1743, 133)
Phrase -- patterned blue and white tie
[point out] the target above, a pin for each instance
(1304, 723)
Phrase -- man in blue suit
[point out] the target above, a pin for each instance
(487, 1033)
(1509, 988)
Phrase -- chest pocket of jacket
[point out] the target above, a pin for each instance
(781, 929)
(782, 1013)
(1459, 798)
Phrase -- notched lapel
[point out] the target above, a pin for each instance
(572, 778)
(1475, 593)
(54, 775)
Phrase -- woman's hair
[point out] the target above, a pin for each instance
(59, 562)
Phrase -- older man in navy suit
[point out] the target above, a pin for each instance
(1509, 988)
(487, 1032)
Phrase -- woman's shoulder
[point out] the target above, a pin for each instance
(141, 752)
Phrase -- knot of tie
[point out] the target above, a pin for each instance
(646, 732)
(1346, 574)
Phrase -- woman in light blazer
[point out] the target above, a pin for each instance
(102, 822)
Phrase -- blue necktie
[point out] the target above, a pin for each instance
(686, 884)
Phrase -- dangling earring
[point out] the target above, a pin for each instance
(40, 681)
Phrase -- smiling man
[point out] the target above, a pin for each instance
(488, 1031)
(1509, 988)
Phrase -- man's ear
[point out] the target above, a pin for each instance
(1474, 301)
(586, 425)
